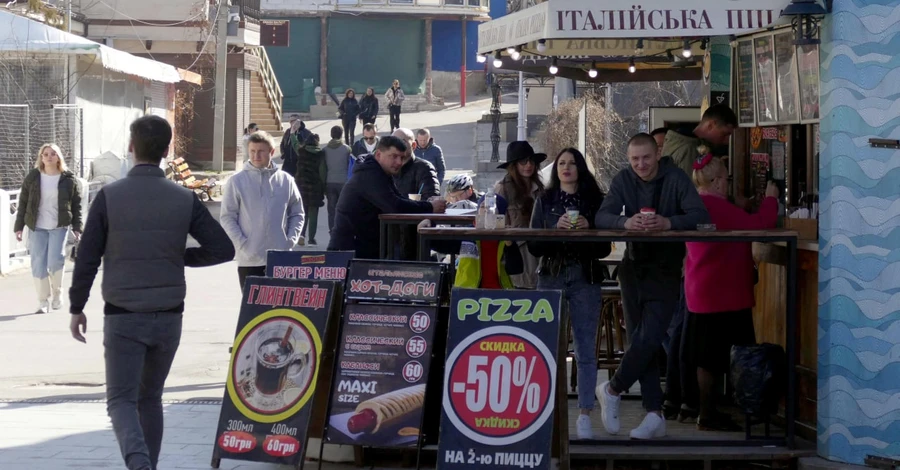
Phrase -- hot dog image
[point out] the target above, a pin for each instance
(382, 410)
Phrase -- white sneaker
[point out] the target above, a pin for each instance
(583, 426)
(653, 426)
(56, 305)
(609, 408)
(44, 308)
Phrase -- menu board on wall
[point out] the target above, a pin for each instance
(764, 57)
(778, 156)
(759, 164)
(786, 69)
(808, 65)
(746, 96)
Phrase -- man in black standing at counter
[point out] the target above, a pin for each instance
(657, 196)
(370, 193)
(138, 226)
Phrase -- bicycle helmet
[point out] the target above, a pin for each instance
(459, 183)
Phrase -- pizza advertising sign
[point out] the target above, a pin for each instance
(499, 389)
(274, 367)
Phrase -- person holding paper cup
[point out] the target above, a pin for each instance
(656, 196)
(570, 202)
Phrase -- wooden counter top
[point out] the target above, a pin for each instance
(436, 218)
(524, 234)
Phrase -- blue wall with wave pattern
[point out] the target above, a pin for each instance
(859, 258)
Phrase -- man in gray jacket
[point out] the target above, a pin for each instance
(261, 208)
(426, 149)
(138, 227)
(657, 196)
(339, 163)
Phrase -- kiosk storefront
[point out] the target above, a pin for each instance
(822, 119)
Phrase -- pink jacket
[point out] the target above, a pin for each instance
(719, 276)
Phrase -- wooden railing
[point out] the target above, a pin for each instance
(270, 82)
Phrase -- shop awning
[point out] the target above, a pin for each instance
(20, 34)
(591, 19)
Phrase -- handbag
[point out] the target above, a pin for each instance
(512, 260)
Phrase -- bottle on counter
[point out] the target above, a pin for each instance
(490, 214)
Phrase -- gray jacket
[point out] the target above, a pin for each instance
(261, 210)
(678, 200)
(337, 161)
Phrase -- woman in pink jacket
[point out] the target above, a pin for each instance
(718, 285)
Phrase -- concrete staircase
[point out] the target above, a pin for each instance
(265, 96)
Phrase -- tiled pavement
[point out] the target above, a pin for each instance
(56, 436)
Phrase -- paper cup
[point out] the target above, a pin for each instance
(415, 197)
(573, 215)
(648, 211)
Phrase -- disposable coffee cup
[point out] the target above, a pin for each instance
(573, 215)
(415, 197)
(648, 211)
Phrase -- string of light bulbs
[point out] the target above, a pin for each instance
(515, 53)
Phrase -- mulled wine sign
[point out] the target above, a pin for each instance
(499, 379)
(274, 368)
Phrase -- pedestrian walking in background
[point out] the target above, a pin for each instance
(310, 179)
(138, 226)
(368, 107)
(261, 209)
(657, 196)
(521, 187)
(339, 163)
(366, 145)
(394, 97)
(572, 267)
(49, 204)
(288, 153)
(249, 130)
(426, 149)
(349, 111)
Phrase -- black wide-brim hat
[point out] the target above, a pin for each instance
(521, 150)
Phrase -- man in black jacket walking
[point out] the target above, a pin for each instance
(138, 226)
(369, 193)
(417, 175)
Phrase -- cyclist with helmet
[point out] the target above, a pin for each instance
(461, 193)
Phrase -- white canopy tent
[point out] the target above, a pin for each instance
(23, 35)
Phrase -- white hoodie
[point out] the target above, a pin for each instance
(261, 211)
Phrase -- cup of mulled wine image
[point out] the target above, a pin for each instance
(276, 360)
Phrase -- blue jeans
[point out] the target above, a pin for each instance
(139, 349)
(48, 258)
(583, 301)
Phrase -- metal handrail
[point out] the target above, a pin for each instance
(270, 82)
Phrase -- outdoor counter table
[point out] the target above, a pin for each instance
(427, 234)
(385, 221)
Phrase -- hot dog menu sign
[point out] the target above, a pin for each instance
(379, 388)
(273, 371)
(499, 379)
(394, 281)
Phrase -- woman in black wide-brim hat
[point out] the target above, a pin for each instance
(521, 187)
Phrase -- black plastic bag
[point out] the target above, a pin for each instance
(759, 376)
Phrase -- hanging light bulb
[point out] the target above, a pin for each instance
(687, 52)
(516, 53)
(481, 58)
(510, 49)
(542, 45)
(592, 72)
(553, 67)
(498, 60)
(639, 49)
(631, 67)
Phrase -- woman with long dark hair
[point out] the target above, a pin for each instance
(368, 107)
(569, 203)
(520, 187)
(349, 111)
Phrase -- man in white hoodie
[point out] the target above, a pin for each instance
(261, 208)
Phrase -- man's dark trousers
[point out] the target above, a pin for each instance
(245, 271)
(139, 349)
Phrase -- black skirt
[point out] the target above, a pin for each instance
(710, 337)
